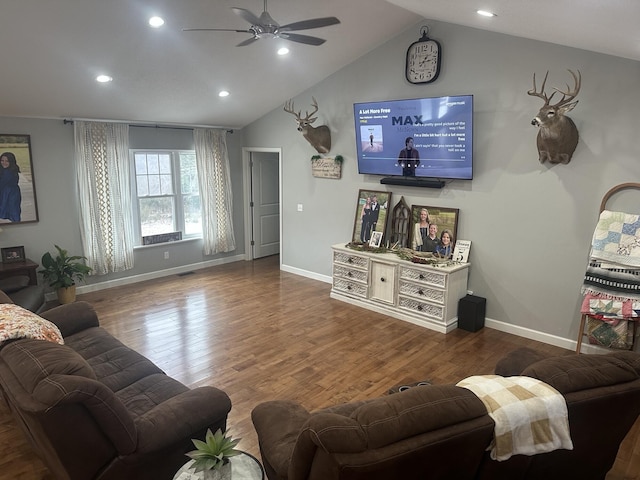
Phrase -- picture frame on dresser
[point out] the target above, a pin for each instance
(444, 218)
(372, 209)
(18, 202)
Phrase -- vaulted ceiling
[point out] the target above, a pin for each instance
(51, 51)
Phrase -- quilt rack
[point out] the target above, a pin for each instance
(583, 318)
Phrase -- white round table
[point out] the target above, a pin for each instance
(243, 467)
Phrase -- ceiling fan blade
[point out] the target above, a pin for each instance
(311, 23)
(247, 15)
(215, 30)
(248, 41)
(306, 39)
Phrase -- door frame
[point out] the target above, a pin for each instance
(246, 191)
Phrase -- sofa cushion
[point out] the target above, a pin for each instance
(17, 322)
(149, 392)
(581, 372)
(32, 361)
(115, 364)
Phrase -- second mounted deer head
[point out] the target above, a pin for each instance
(318, 137)
(558, 135)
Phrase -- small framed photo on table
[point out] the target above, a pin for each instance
(13, 254)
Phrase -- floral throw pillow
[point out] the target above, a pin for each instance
(16, 322)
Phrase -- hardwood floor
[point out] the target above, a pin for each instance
(259, 334)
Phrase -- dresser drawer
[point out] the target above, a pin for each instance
(350, 273)
(349, 259)
(435, 279)
(422, 308)
(349, 287)
(421, 292)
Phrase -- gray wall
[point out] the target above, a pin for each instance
(52, 150)
(530, 224)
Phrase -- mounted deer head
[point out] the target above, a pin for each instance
(318, 137)
(558, 135)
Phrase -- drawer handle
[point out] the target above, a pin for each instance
(382, 279)
(348, 287)
(419, 308)
(349, 274)
(421, 277)
(420, 292)
(350, 260)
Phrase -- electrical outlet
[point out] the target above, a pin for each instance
(166, 255)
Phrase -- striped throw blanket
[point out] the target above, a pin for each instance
(530, 416)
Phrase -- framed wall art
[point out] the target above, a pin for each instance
(17, 187)
(442, 218)
(371, 215)
(13, 254)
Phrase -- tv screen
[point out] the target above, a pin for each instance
(424, 137)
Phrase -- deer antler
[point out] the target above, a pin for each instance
(566, 96)
(571, 94)
(288, 107)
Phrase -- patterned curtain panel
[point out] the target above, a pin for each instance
(104, 187)
(215, 190)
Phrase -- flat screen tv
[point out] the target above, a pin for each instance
(423, 137)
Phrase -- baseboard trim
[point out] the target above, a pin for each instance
(94, 287)
(306, 273)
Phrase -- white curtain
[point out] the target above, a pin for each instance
(215, 190)
(104, 187)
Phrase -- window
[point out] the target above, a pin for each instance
(166, 188)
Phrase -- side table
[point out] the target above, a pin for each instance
(243, 466)
(27, 267)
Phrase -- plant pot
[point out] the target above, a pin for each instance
(222, 473)
(67, 294)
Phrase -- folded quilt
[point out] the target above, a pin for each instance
(609, 309)
(530, 416)
(616, 239)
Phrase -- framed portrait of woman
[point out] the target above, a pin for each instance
(372, 210)
(17, 187)
(442, 218)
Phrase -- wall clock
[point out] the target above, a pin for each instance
(423, 59)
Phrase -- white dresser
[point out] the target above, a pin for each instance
(421, 294)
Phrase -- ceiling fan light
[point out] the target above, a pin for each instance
(156, 22)
(223, 93)
(283, 51)
(486, 13)
(104, 79)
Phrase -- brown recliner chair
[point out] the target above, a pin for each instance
(420, 433)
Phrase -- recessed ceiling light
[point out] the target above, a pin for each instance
(223, 93)
(156, 22)
(485, 13)
(104, 78)
(283, 51)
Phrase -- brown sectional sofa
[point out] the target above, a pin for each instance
(96, 409)
(443, 431)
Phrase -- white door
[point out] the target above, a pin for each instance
(265, 203)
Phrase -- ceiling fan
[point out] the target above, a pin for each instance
(266, 27)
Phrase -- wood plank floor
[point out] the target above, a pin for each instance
(259, 334)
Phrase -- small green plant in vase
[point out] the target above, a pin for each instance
(211, 457)
(62, 271)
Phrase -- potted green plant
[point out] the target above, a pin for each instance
(62, 272)
(211, 457)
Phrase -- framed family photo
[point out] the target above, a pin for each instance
(13, 254)
(444, 218)
(17, 187)
(371, 216)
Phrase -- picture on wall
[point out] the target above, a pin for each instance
(17, 187)
(442, 218)
(371, 215)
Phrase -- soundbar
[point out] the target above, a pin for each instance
(413, 182)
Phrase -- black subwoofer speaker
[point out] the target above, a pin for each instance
(471, 311)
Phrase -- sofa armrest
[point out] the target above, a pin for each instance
(182, 417)
(278, 424)
(515, 362)
(72, 317)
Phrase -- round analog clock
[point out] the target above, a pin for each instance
(423, 60)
